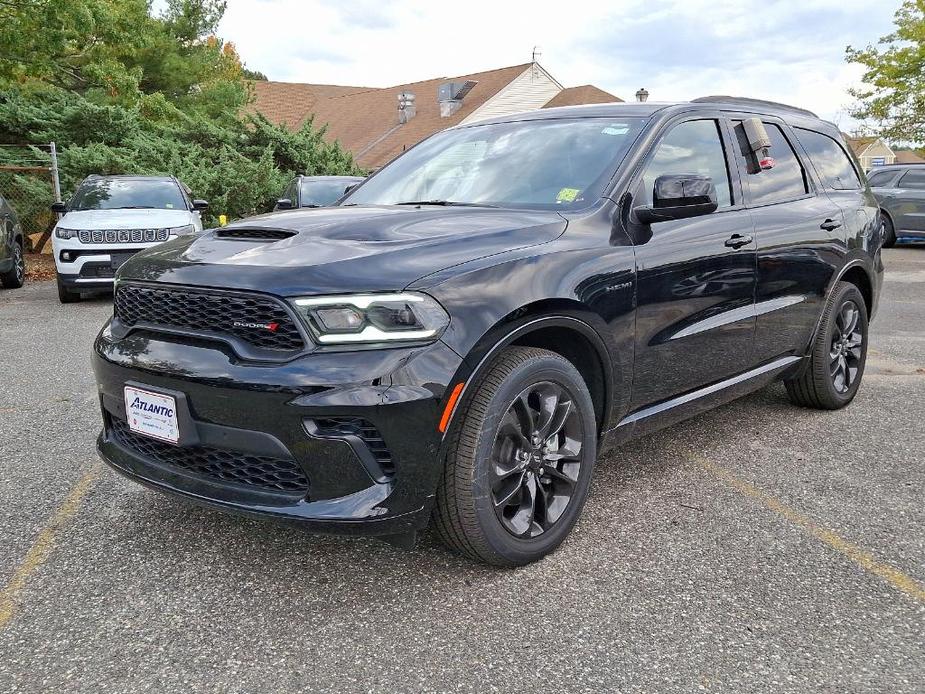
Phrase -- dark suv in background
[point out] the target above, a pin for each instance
(315, 191)
(900, 190)
(457, 341)
(12, 258)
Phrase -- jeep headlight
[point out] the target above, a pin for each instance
(372, 318)
(63, 233)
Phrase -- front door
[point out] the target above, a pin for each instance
(695, 277)
(910, 202)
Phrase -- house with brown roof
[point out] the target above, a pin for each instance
(871, 151)
(377, 124)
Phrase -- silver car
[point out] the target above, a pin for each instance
(900, 190)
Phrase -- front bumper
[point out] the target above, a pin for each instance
(92, 265)
(239, 420)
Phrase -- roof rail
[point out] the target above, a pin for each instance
(744, 101)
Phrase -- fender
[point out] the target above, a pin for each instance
(853, 263)
(554, 320)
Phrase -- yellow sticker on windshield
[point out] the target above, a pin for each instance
(567, 195)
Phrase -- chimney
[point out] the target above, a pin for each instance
(406, 108)
(450, 96)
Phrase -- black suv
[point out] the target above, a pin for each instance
(12, 260)
(457, 340)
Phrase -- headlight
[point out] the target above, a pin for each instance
(182, 231)
(370, 318)
(62, 233)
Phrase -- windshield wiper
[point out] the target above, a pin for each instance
(134, 207)
(445, 203)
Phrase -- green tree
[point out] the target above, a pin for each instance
(893, 94)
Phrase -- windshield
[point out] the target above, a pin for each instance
(548, 164)
(322, 193)
(117, 193)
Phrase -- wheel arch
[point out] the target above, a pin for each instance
(563, 326)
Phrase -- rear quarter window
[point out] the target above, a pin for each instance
(785, 181)
(829, 159)
(914, 179)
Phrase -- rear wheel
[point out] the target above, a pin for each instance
(65, 295)
(889, 231)
(16, 276)
(519, 463)
(836, 364)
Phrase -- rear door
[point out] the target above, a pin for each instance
(909, 205)
(695, 277)
(797, 228)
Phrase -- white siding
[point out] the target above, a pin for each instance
(530, 90)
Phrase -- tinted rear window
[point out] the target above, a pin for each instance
(785, 181)
(913, 179)
(881, 179)
(831, 162)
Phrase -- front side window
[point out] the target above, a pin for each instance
(785, 181)
(831, 162)
(538, 164)
(127, 194)
(693, 147)
(914, 179)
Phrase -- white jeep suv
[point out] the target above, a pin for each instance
(109, 219)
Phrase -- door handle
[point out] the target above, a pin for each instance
(737, 241)
(830, 225)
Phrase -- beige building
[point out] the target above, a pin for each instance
(872, 151)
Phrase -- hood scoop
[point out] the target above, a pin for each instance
(241, 234)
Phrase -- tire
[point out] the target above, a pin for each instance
(836, 364)
(889, 231)
(555, 474)
(16, 277)
(65, 295)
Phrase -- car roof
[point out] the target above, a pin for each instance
(791, 114)
(128, 177)
(896, 167)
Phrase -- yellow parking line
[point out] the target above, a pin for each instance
(860, 557)
(44, 544)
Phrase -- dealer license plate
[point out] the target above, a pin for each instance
(152, 414)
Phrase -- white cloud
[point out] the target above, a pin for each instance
(789, 51)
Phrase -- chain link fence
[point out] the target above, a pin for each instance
(29, 181)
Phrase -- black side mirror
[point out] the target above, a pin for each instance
(350, 188)
(283, 204)
(59, 207)
(679, 196)
(200, 205)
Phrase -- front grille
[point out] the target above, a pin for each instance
(96, 271)
(363, 429)
(122, 235)
(254, 234)
(258, 321)
(234, 467)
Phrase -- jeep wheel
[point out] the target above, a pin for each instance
(65, 295)
(836, 364)
(518, 465)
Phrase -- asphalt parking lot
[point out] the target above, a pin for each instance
(759, 547)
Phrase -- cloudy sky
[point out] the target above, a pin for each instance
(786, 50)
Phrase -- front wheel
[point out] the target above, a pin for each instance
(16, 276)
(836, 364)
(889, 232)
(518, 465)
(65, 295)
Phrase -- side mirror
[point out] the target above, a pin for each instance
(200, 205)
(679, 196)
(59, 207)
(350, 188)
(283, 204)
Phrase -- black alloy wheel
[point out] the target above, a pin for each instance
(832, 372)
(16, 276)
(536, 459)
(518, 459)
(847, 344)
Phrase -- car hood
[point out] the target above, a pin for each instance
(342, 249)
(125, 219)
